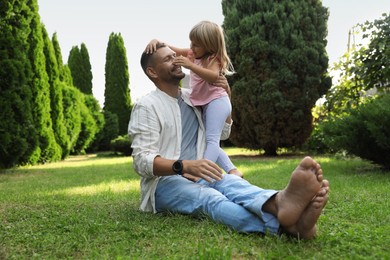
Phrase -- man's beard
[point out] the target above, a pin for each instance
(177, 76)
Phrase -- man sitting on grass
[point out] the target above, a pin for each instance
(168, 144)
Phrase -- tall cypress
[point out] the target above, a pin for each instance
(80, 68)
(17, 132)
(278, 50)
(117, 91)
(56, 95)
(47, 149)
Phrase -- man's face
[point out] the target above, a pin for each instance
(164, 67)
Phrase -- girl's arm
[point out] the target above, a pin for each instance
(151, 47)
(180, 51)
(209, 74)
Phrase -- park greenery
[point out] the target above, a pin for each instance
(278, 50)
(63, 197)
(47, 108)
(355, 117)
(48, 111)
(86, 207)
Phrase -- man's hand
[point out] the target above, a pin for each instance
(223, 83)
(203, 168)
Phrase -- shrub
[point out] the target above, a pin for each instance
(122, 144)
(365, 132)
(109, 132)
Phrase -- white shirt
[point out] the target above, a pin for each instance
(155, 127)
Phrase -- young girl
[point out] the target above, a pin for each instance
(207, 59)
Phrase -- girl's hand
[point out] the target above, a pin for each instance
(151, 47)
(183, 61)
(190, 56)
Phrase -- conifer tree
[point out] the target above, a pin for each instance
(17, 133)
(47, 149)
(278, 51)
(56, 95)
(117, 91)
(80, 68)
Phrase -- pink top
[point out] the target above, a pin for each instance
(203, 92)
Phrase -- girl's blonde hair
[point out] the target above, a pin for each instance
(211, 37)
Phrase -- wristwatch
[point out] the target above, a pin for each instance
(177, 167)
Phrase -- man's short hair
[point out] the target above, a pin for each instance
(146, 58)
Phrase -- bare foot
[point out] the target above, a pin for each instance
(236, 172)
(305, 182)
(306, 227)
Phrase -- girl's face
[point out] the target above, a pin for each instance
(198, 51)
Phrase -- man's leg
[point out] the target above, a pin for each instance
(245, 194)
(177, 194)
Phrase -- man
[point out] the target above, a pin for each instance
(168, 144)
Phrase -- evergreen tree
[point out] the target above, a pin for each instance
(80, 68)
(117, 92)
(87, 69)
(17, 132)
(278, 50)
(63, 70)
(56, 102)
(47, 149)
(108, 133)
(72, 113)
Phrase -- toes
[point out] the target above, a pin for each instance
(320, 176)
(325, 184)
(308, 163)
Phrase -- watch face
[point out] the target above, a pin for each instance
(177, 167)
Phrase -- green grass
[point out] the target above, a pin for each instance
(87, 208)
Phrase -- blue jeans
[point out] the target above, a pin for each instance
(232, 201)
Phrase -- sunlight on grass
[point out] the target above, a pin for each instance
(239, 151)
(91, 211)
(83, 160)
(111, 187)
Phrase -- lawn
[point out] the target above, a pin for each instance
(86, 207)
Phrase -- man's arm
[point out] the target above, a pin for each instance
(145, 130)
(204, 169)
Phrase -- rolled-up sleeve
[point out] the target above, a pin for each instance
(226, 131)
(145, 129)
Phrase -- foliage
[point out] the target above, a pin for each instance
(17, 132)
(364, 73)
(375, 69)
(122, 144)
(117, 91)
(80, 68)
(108, 133)
(43, 116)
(63, 70)
(364, 70)
(278, 50)
(56, 98)
(72, 114)
(87, 207)
(91, 123)
(47, 148)
(365, 132)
